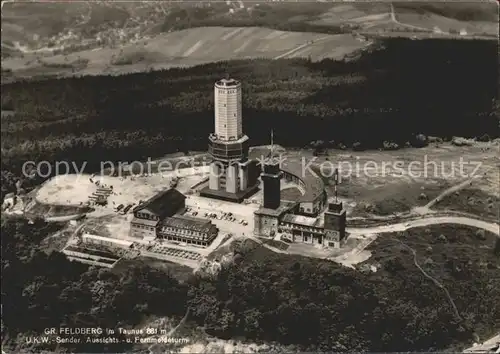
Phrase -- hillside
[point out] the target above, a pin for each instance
(387, 95)
(103, 37)
(190, 47)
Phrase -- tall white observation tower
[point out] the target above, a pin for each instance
(228, 117)
(232, 175)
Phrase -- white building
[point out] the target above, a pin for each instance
(227, 104)
(105, 241)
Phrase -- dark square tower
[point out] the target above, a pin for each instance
(271, 177)
(335, 223)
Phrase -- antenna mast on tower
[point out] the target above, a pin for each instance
(272, 143)
(336, 178)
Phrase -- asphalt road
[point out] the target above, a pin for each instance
(426, 221)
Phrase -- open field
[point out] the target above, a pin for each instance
(395, 182)
(471, 18)
(188, 48)
(111, 38)
(473, 201)
(75, 189)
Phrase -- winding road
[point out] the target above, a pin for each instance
(427, 221)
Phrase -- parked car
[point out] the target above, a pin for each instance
(127, 208)
(285, 239)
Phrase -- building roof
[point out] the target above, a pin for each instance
(188, 223)
(313, 184)
(108, 239)
(159, 203)
(89, 251)
(303, 220)
(146, 222)
(283, 208)
(227, 82)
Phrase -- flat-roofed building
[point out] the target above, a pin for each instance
(105, 241)
(303, 228)
(91, 256)
(266, 220)
(190, 230)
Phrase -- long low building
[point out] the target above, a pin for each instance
(303, 228)
(105, 241)
(328, 231)
(90, 256)
(190, 230)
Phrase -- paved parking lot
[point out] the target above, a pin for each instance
(238, 211)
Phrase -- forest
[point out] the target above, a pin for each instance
(302, 303)
(387, 97)
(43, 290)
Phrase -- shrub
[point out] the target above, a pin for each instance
(357, 146)
(434, 139)
(420, 140)
(422, 196)
(480, 234)
(458, 141)
(389, 145)
(484, 138)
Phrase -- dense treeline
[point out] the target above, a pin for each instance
(320, 306)
(41, 290)
(307, 304)
(432, 87)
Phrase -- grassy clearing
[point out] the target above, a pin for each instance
(396, 199)
(473, 201)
